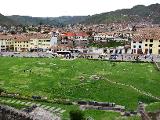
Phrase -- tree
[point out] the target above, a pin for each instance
(1, 90)
(76, 115)
(39, 29)
(24, 29)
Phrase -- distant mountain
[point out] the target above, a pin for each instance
(138, 13)
(70, 19)
(57, 21)
(28, 20)
(6, 21)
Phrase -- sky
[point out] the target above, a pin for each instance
(55, 8)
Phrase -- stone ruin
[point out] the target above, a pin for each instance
(9, 113)
(148, 115)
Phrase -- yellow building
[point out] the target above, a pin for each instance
(31, 42)
(40, 44)
(150, 44)
(21, 45)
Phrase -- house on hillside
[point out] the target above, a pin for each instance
(81, 40)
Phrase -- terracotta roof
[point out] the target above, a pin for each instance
(25, 37)
(69, 34)
(81, 34)
(72, 34)
(146, 36)
(137, 38)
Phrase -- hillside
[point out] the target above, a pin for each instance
(28, 20)
(57, 21)
(6, 21)
(138, 13)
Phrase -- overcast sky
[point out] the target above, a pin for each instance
(54, 8)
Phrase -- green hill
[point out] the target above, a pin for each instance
(138, 13)
(6, 21)
(57, 21)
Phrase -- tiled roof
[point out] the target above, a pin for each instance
(25, 37)
(146, 36)
(69, 34)
(72, 34)
(81, 34)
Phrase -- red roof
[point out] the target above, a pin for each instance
(81, 34)
(69, 34)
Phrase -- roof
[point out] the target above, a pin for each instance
(72, 34)
(69, 34)
(81, 34)
(145, 36)
(25, 37)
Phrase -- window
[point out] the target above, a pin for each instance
(146, 44)
(158, 45)
(134, 41)
(146, 40)
(140, 46)
(159, 51)
(150, 51)
(134, 46)
(150, 45)
(151, 40)
(140, 41)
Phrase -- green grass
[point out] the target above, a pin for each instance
(153, 107)
(103, 115)
(54, 78)
(107, 44)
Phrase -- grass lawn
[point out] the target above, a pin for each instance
(103, 115)
(55, 78)
(153, 107)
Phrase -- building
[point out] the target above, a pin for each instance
(146, 44)
(103, 37)
(2, 45)
(136, 45)
(32, 42)
(25, 42)
(81, 40)
(72, 40)
(5, 43)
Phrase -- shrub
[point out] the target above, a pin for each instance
(76, 115)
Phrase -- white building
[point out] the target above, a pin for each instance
(54, 38)
(103, 37)
(136, 46)
(2, 45)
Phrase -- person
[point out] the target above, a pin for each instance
(122, 57)
(152, 58)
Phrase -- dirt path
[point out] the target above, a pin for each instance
(136, 89)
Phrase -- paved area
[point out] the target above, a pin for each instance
(122, 57)
(26, 54)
